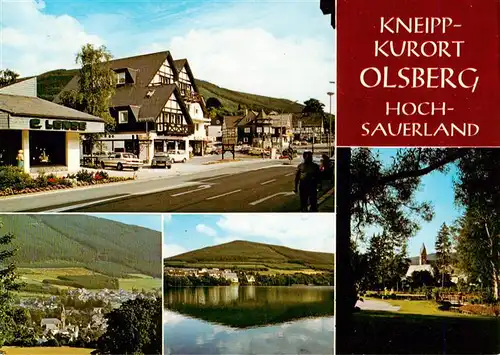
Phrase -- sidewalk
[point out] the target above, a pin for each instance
(326, 202)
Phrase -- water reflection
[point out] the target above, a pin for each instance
(185, 335)
(242, 294)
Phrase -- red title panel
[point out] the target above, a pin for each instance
(418, 73)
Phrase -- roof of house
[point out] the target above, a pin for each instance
(415, 268)
(144, 67)
(28, 106)
(149, 106)
(50, 321)
(232, 121)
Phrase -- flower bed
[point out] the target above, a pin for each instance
(13, 181)
(482, 310)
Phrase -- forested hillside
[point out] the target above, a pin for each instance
(98, 244)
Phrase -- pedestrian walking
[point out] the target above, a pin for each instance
(307, 180)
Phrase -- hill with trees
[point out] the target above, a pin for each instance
(244, 254)
(101, 245)
(51, 83)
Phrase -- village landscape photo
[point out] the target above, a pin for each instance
(149, 106)
(249, 284)
(418, 246)
(77, 284)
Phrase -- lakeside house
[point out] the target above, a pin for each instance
(231, 276)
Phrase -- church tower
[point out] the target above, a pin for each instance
(423, 255)
(63, 317)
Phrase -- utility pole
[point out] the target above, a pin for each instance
(330, 134)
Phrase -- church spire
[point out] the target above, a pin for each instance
(423, 255)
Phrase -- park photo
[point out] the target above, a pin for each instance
(418, 241)
(80, 284)
(249, 284)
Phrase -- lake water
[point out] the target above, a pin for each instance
(249, 320)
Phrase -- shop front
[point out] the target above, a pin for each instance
(39, 135)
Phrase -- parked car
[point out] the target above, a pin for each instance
(101, 155)
(122, 161)
(161, 159)
(179, 157)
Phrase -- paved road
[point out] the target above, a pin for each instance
(265, 190)
(263, 186)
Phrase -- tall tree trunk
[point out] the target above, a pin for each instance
(345, 289)
(493, 261)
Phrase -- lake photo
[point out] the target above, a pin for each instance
(248, 284)
(249, 320)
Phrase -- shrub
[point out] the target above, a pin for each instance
(41, 180)
(84, 176)
(14, 178)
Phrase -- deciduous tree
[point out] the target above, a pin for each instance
(7, 77)
(134, 328)
(96, 86)
(8, 283)
(313, 106)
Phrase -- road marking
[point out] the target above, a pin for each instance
(268, 182)
(269, 197)
(91, 203)
(202, 187)
(290, 174)
(227, 193)
(215, 177)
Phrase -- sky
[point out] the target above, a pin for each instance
(270, 47)
(187, 232)
(436, 188)
(151, 221)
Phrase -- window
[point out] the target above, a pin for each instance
(267, 129)
(122, 117)
(121, 78)
(247, 129)
(164, 80)
(259, 129)
(245, 139)
(197, 126)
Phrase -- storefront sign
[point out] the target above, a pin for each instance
(55, 125)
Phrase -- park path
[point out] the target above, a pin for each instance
(376, 305)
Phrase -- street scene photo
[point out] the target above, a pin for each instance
(77, 284)
(249, 284)
(168, 116)
(418, 251)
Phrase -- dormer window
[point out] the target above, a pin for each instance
(122, 117)
(121, 78)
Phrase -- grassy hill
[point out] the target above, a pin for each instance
(52, 82)
(106, 247)
(251, 255)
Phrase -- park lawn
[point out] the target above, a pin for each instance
(63, 350)
(419, 327)
(139, 282)
(428, 308)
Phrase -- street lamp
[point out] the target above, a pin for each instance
(330, 136)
